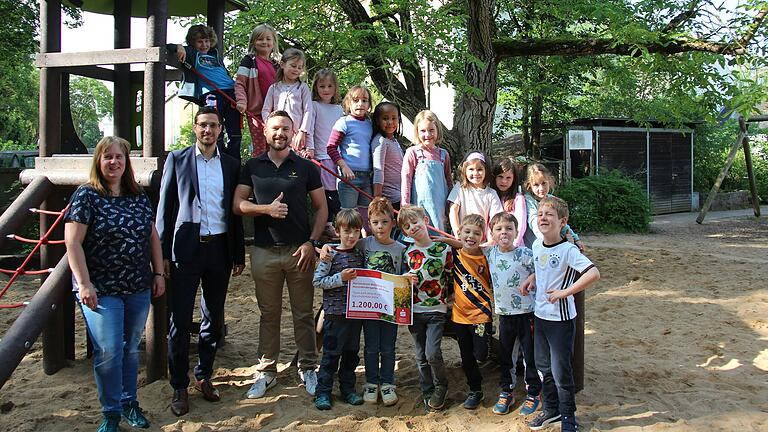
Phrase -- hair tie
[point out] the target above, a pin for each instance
(475, 155)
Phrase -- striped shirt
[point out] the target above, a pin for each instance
(557, 267)
(471, 289)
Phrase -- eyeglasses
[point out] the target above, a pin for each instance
(208, 125)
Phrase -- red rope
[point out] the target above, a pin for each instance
(43, 240)
(250, 115)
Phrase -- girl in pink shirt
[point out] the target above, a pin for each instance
(255, 74)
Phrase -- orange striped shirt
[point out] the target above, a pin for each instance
(472, 289)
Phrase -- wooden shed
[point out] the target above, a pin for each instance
(660, 158)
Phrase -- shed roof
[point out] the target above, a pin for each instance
(139, 7)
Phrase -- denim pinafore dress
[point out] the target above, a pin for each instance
(429, 188)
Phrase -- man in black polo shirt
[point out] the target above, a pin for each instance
(284, 247)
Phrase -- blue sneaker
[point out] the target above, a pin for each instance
(503, 402)
(110, 423)
(569, 424)
(133, 414)
(353, 399)
(473, 400)
(543, 419)
(323, 402)
(530, 405)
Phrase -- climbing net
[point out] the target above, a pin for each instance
(21, 270)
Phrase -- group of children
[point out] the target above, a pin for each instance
(527, 274)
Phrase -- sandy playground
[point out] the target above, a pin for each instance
(676, 340)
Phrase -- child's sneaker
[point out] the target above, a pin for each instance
(388, 395)
(543, 419)
(473, 400)
(569, 424)
(370, 393)
(323, 402)
(437, 400)
(530, 405)
(503, 402)
(353, 399)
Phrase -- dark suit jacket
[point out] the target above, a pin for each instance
(179, 195)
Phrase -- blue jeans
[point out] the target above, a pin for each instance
(427, 333)
(380, 338)
(553, 342)
(341, 343)
(115, 328)
(350, 198)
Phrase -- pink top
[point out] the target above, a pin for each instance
(410, 160)
(295, 99)
(267, 73)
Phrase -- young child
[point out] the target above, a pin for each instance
(255, 74)
(201, 54)
(292, 95)
(350, 148)
(558, 264)
(387, 154)
(471, 314)
(505, 182)
(510, 266)
(386, 255)
(426, 173)
(472, 194)
(325, 112)
(538, 183)
(341, 336)
(432, 262)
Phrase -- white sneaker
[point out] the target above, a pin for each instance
(309, 378)
(264, 381)
(388, 395)
(370, 393)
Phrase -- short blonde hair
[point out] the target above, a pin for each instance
(474, 220)
(557, 204)
(381, 205)
(410, 214)
(431, 117)
(503, 217)
(348, 218)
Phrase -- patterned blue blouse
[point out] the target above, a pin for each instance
(116, 244)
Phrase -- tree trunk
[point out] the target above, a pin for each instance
(474, 113)
(536, 107)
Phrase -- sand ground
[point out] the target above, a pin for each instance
(676, 340)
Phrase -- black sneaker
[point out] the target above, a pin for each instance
(474, 398)
(437, 400)
(569, 424)
(543, 420)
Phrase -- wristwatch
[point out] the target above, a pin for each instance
(316, 243)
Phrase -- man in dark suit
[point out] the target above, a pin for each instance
(202, 241)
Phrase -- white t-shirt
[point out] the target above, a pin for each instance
(508, 271)
(484, 202)
(557, 267)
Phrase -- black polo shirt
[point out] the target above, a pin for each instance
(295, 178)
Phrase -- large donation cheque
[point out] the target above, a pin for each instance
(382, 296)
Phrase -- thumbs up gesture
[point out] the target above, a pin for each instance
(278, 209)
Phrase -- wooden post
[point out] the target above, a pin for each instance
(123, 101)
(721, 177)
(578, 345)
(216, 20)
(750, 171)
(153, 145)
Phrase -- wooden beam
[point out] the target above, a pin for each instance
(758, 118)
(137, 77)
(750, 171)
(96, 72)
(92, 58)
(723, 173)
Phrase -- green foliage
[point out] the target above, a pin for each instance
(607, 203)
(91, 101)
(713, 142)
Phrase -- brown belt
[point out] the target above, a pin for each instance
(210, 238)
